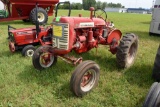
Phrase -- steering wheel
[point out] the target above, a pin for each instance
(98, 13)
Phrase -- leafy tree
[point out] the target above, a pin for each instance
(76, 6)
(114, 5)
(98, 4)
(88, 3)
(104, 5)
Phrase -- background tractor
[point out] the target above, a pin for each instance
(25, 10)
(81, 34)
(26, 38)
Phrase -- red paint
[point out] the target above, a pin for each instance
(26, 36)
(20, 9)
(87, 33)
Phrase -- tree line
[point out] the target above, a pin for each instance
(86, 4)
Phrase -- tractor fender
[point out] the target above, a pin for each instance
(115, 33)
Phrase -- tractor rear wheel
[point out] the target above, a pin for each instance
(42, 16)
(127, 50)
(156, 67)
(42, 58)
(84, 78)
(28, 50)
(153, 96)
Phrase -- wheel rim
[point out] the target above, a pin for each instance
(131, 53)
(40, 17)
(30, 52)
(46, 59)
(88, 80)
(11, 47)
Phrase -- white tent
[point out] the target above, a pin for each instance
(155, 22)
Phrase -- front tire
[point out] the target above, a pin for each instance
(42, 16)
(156, 67)
(42, 58)
(84, 78)
(28, 50)
(127, 50)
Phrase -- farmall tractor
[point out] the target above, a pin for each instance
(81, 34)
(26, 39)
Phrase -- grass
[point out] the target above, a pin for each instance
(22, 85)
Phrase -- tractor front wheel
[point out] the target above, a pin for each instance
(42, 58)
(28, 50)
(127, 50)
(156, 67)
(84, 78)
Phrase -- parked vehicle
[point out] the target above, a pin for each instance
(25, 10)
(26, 39)
(81, 34)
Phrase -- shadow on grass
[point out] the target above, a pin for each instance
(142, 35)
(146, 22)
(19, 22)
(51, 77)
(8, 53)
(139, 75)
(58, 76)
(16, 22)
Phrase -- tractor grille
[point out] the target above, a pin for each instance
(62, 42)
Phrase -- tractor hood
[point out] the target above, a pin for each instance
(81, 22)
(23, 36)
(24, 30)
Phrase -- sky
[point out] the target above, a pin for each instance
(127, 3)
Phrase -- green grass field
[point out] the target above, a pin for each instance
(23, 86)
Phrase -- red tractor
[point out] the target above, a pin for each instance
(81, 34)
(26, 38)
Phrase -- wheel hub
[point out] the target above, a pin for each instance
(30, 52)
(40, 17)
(88, 80)
(46, 59)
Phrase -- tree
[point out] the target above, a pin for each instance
(76, 6)
(88, 3)
(118, 5)
(98, 4)
(104, 5)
